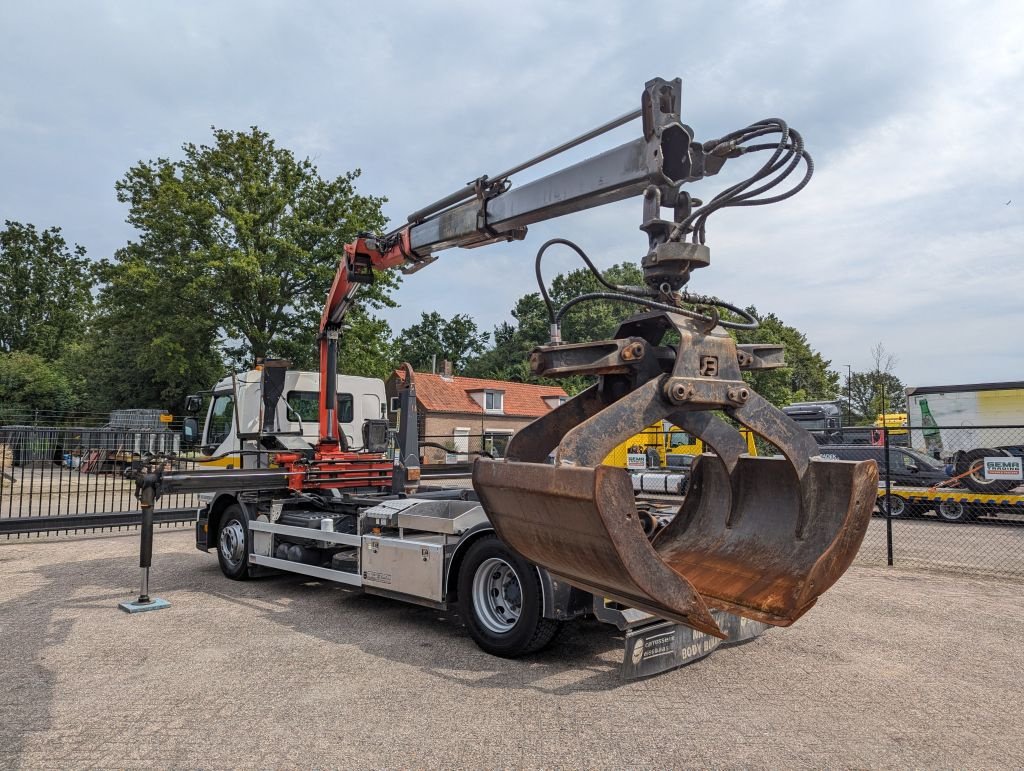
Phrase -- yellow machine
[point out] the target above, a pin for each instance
(666, 440)
(896, 422)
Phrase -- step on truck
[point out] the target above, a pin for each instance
(550, 533)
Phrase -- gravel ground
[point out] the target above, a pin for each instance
(892, 669)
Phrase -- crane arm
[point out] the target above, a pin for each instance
(491, 209)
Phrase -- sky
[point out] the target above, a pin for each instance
(911, 232)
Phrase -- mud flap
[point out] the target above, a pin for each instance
(659, 647)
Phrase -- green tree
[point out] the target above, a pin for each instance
(238, 244)
(876, 391)
(435, 338)
(30, 384)
(807, 375)
(45, 298)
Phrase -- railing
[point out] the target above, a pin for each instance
(71, 478)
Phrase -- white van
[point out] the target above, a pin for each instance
(236, 404)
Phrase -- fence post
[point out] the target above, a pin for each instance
(888, 499)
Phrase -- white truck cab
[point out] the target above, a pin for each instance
(236, 405)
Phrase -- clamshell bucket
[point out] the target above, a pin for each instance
(762, 537)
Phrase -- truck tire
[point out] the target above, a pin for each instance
(952, 511)
(233, 543)
(898, 504)
(971, 463)
(500, 601)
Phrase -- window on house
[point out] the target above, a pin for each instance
(395, 403)
(496, 442)
(494, 401)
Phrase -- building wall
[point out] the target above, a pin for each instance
(440, 428)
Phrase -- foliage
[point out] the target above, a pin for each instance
(807, 375)
(45, 297)
(238, 244)
(28, 383)
(877, 391)
(456, 339)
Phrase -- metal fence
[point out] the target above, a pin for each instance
(950, 498)
(69, 478)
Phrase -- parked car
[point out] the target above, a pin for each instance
(906, 467)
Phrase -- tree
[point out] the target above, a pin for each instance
(435, 339)
(595, 320)
(807, 375)
(238, 244)
(876, 391)
(29, 383)
(45, 298)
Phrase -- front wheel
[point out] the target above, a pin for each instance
(233, 543)
(500, 601)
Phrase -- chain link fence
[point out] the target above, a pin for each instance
(949, 498)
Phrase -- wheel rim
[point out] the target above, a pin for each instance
(952, 510)
(232, 543)
(977, 474)
(896, 506)
(497, 595)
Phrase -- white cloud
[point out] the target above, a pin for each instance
(911, 110)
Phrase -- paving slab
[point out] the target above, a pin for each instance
(892, 669)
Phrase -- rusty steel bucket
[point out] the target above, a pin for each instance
(739, 548)
(761, 537)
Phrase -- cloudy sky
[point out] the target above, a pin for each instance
(914, 113)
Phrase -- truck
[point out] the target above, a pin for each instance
(549, 533)
(823, 419)
(965, 424)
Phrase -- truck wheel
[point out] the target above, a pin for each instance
(233, 543)
(972, 464)
(500, 601)
(896, 504)
(952, 511)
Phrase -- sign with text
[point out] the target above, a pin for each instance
(636, 461)
(1003, 467)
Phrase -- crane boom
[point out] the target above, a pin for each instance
(761, 537)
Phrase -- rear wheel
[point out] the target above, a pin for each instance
(233, 543)
(500, 601)
(896, 506)
(952, 511)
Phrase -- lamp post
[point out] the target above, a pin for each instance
(849, 394)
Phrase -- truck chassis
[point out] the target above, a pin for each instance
(438, 549)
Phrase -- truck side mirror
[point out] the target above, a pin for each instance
(193, 403)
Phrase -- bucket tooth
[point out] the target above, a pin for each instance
(755, 558)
